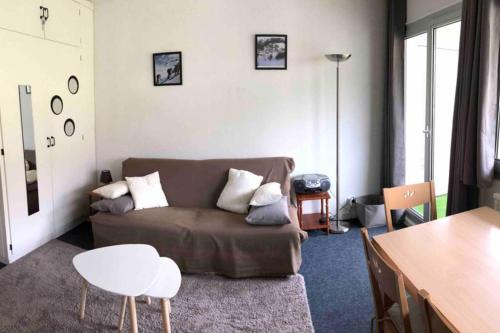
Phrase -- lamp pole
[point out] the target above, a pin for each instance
(338, 228)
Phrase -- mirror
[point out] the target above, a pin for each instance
(28, 134)
(56, 104)
(69, 127)
(73, 84)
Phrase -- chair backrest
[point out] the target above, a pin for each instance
(409, 196)
(387, 284)
(434, 320)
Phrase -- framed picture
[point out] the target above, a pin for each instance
(270, 51)
(167, 68)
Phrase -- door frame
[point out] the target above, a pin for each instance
(5, 230)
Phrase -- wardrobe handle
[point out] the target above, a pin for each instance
(42, 13)
(48, 142)
(46, 13)
(53, 141)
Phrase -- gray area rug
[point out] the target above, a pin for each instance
(40, 293)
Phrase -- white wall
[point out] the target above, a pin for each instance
(417, 9)
(225, 108)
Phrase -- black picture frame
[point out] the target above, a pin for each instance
(258, 52)
(158, 71)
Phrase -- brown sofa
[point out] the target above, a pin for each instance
(199, 237)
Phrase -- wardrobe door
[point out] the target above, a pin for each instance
(24, 76)
(21, 16)
(62, 24)
(70, 156)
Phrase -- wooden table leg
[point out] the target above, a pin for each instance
(122, 313)
(133, 314)
(83, 299)
(165, 313)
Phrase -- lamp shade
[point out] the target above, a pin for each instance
(338, 57)
(106, 177)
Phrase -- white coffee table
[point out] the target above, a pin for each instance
(127, 270)
(166, 286)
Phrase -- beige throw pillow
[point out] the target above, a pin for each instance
(113, 190)
(239, 189)
(147, 191)
(266, 194)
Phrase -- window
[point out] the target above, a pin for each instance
(431, 63)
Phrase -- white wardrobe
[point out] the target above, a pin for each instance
(46, 120)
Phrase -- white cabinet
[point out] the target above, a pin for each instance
(65, 165)
(22, 16)
(63, 24)
(55, 20)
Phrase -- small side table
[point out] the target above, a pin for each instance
(313, 221)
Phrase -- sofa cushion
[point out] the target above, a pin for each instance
(118, 206)
(267, 194)
(198, 183)
(238, 192)
(147, 191)
(113, 190)
(273, 214)
(204, 240)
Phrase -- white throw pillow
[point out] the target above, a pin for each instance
(146, 191)
(113, 190)
(239, 189)
(267, 194)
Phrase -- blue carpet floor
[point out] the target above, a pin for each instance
(337, 282)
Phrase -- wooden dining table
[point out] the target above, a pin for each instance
(457, 260)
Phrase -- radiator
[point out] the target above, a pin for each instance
(496, 199)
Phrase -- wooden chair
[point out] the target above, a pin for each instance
(409, 196)
(387, 289)
(434, 320)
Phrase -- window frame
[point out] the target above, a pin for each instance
(497, 147)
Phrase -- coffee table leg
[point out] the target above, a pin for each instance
(83, 300)
(165, 313)
(122, 313)
(133, 314)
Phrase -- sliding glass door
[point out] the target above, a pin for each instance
(431, 62)
(415, 108)
(447, 39)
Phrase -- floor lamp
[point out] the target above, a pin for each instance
(338, 228)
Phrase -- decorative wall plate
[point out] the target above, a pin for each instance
(56, 105)
(69, 127)
(73, 85)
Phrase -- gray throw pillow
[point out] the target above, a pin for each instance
(116, 206)
(273, 214)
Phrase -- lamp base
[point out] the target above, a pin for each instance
(338, 228)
